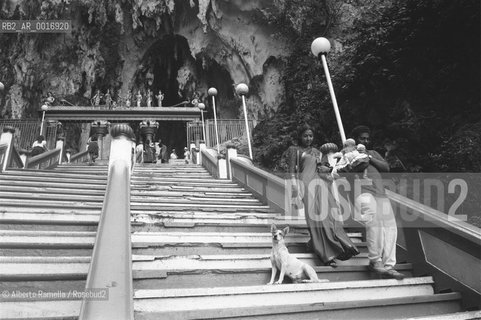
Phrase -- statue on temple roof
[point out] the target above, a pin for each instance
(108, 99)
(160, 97)
(119, 101)
(149, 98)
(95, 101)
(139, 99)
(128, 97)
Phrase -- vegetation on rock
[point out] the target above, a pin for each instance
(410, 70)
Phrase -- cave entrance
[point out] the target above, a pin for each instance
(172, 133)
(174, 136)
(160, 67)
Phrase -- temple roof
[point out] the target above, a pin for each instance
(91, 113)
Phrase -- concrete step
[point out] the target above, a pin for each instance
(24, 268)
(161, 180)
(191, 189)
(99, 185)
(10, 178)
(388, 308)
(197, 202)
(24, 243)
(52, 190)
(48, 196)
(167, 191)
(47, 210)
(51, 204)
(468, 315)
(55, 174)
(249, 300)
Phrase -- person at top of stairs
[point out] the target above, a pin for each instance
(376, 213)
(39, 146)
(328, 238)
(93, 149)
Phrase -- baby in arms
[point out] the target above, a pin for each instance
(351, 158)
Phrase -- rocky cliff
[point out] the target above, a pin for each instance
(180, 47)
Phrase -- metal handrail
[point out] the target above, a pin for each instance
(79, 157)
(46, 160)
(210, 162)
(111, 264)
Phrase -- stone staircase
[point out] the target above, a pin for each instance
(201, 250)
(48, 223)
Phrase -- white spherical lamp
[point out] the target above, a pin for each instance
(201, 106)
(212, 91)
(242, 89)
(320, 45)
(44, 107)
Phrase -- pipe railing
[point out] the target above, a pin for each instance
(79, 157)
(46, 160)
(111, 264)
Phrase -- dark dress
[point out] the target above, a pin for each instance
(93, 149)
(328, 238)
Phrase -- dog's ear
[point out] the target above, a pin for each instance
(286, 231)
(273, 227)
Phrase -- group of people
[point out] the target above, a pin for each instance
(312, 169)
(152, 152)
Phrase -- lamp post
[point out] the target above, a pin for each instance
(242, 89)
(44, 109)
(201, 106)
(320, 47)
(213, 92)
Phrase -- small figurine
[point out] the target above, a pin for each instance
(160, 97)
(149, 98)
(128, 103)
(96, 99)
(50, 98)
(108, 99)
(119, 101)
(139, 99)
(195, 99)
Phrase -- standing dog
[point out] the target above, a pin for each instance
(289, 265)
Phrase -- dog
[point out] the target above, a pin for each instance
(288, 265)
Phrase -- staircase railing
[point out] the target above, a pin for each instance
(47, 160)
(111, 264)
(442, 246)
(9, 157)
(209, 162)
(437, 244)
(79, 157)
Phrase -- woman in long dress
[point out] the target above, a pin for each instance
(328, 238)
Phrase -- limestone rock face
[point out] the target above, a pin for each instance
(183, 47)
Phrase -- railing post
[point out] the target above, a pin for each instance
(221, 167)
(7, 138)
(201, 147)
(60, 145)
(100, 128)
(191, 149)
(231, 154)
